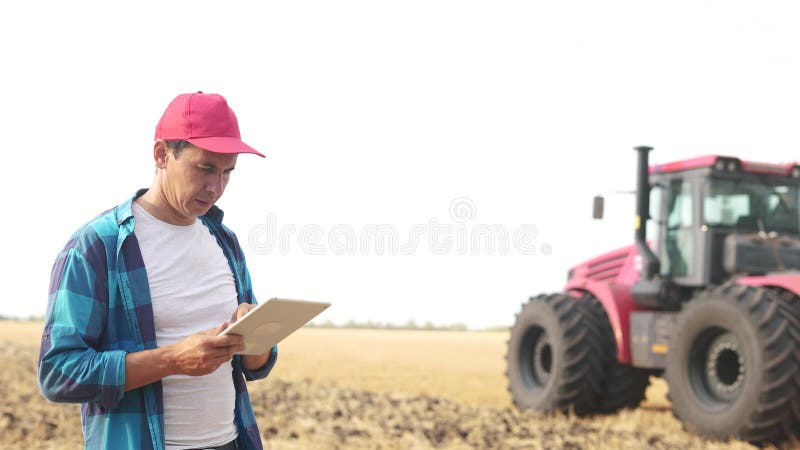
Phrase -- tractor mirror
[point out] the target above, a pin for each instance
(597, 207)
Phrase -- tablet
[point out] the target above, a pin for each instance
(270, 322)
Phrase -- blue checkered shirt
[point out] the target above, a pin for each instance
(99, 310)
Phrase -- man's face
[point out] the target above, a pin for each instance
(195, 180)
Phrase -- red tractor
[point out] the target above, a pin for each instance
(708, 296)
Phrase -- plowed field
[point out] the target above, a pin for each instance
(343, 389)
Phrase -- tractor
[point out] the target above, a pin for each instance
(708, 297)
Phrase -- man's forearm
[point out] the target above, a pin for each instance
(148, 366)
(197, 354)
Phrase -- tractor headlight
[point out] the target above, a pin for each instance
(727, 164)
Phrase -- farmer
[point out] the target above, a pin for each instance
(139, 295)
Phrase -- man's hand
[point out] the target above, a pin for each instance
(198, 354)
(203, 353)
(241, 310)
(250, 362)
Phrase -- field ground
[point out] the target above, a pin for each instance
(336, 388)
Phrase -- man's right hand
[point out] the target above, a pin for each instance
(198, 354)
(202, 353)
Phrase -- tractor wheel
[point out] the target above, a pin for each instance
(624, 385)
(555, 359)
(731, 365)
(624, 389)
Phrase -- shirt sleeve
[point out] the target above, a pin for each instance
(72, 368)
(249, 297)
(263, 371)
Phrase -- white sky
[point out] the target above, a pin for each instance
(380, 113)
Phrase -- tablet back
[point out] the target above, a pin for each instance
(270, 322)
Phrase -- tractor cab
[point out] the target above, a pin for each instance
(712, 218)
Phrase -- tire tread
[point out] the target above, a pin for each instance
(775, 408)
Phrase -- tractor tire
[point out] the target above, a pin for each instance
(792, 301)
(624, 388)
(624, 385)
(732, 363)
(555, 359)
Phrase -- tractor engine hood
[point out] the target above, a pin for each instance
(760, 253)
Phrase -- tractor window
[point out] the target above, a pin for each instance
(752, 204)
(678, 259)
(653, 230)
(725, 209)
(782, 207)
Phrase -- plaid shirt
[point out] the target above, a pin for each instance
(99, 310)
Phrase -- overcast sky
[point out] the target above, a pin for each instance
(423, 120)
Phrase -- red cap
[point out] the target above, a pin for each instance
(206, 121)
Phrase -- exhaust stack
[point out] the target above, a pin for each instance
(650, 263)
(652, 290)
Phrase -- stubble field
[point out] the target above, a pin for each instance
(382, 389)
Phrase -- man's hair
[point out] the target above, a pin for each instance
(176, 145)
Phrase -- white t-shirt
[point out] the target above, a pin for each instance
(191, 289)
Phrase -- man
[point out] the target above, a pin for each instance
(139, 295)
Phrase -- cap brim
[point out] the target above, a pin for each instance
(227, 145)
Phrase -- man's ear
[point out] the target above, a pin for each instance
(160, 152)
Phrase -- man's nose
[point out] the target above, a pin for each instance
(216, 184)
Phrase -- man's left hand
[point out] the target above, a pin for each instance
(240, 311)
(251, 362)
